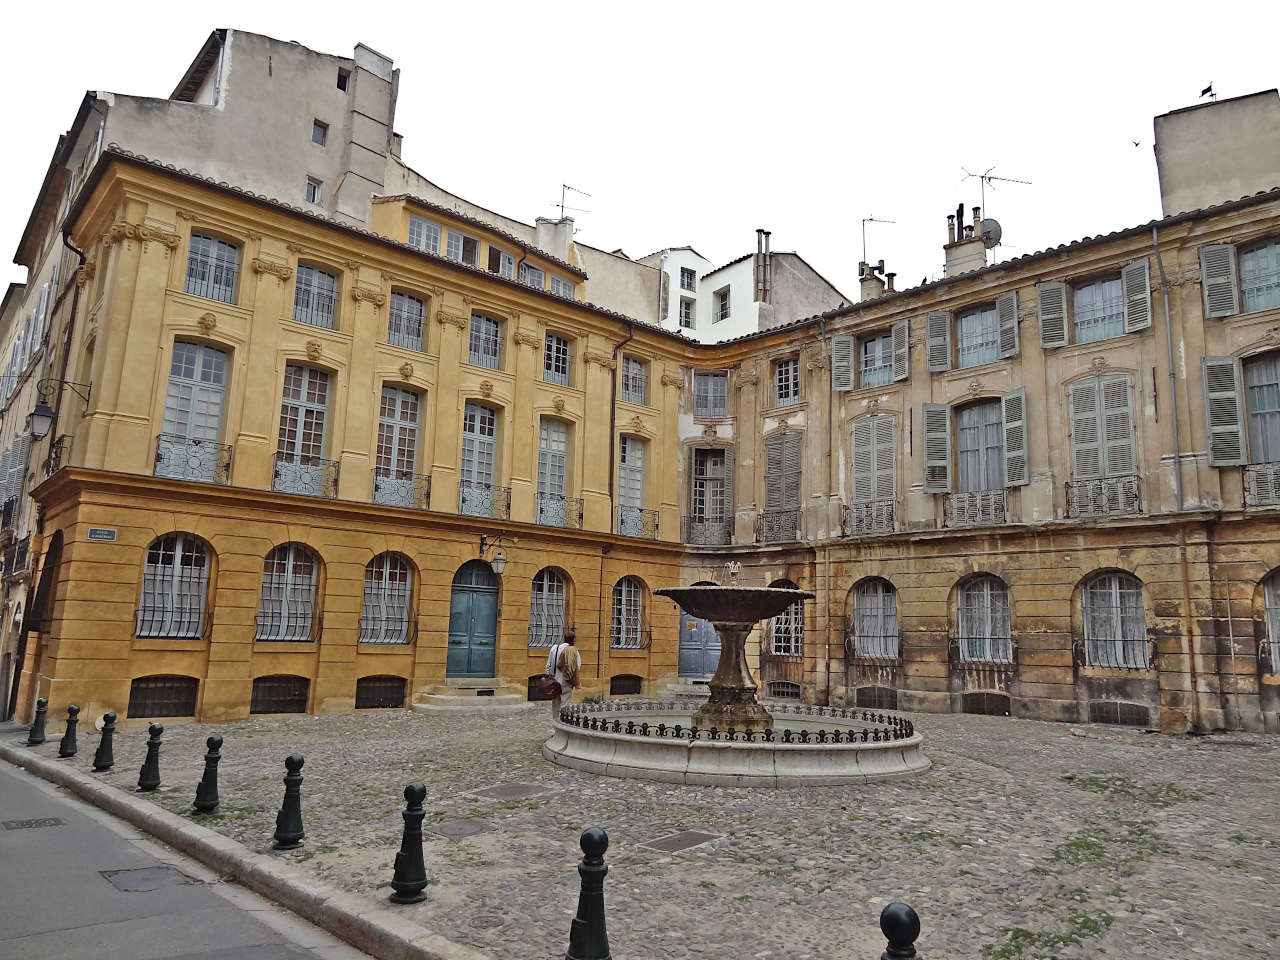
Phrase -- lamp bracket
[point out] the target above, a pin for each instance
(45, 389)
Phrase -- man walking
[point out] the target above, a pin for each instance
(564, 662)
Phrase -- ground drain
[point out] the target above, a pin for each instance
(681, 841)
(512, 791)
(146, 879)
(30, 824)
(457, 829)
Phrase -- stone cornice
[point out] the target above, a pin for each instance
(280, 271)
(376, 297)
(123, 230)
(603, 359)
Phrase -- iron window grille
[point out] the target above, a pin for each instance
(782, 689)
(866, 519)
(707, 533)
(1115, 623)
(638, 522)
(279, 694)
(175, 585)
(1106, 496)
(627, 628)
(59, 456)
(287, 608)
(555, 360)
(404, 326)
(163, 696)
(546, 609)
(486, 342)
(634, 381)
(786, 631)
(401, 488)
(190, 458)
(984, 620)
(786, 382)
(388, 586)
(379, 693)
(307, 475)
(212, 265)
(688, 279)
(1262, 485)
(315, 297)
(874, 627)
(711, 395)
(974, 509)
(780, 526)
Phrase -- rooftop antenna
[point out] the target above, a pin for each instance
(564, 189)
(865, 221)
(985, 178)
(1208, 92)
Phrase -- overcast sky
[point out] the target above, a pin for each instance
(695, 123)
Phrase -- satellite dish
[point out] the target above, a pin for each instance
(990, 232)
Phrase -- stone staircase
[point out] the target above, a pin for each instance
(685, 688)
(471, 696)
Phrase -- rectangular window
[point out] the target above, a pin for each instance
(486, 343)
(1262, 392)
(1098, 309)
(634, 380)
(1260, 276)
(479, 454)
(980, 447)
(978, 336)
(561, 287)
(710, 394)
(875, 359)
(193, 413)
(424, 234)
(630, 472)
(688, 279)
(397, 451)
(314, 190)
(212, 265)
(404, 325)
(786, 382)
(315, 297)
(344, 77)
(708, 493)
(532, 276)
(553, 456)
(319, 132)
(721, 305)
(555, 360)
(462, 248)
(501, 262)
(687, 316)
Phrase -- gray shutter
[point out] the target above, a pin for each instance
(1051, 311)
(6, 469)
(774, 473)
(728, 490)
(1218, 281)
(936, 421)
(885, 442)
(792, 454)
(18, 466)
(1013, 409)
(1007, 315)
(901, 350)
(1223, 410)
(864, 477)
(1086, 449)
(842, 354)
(1117, 433)
(1135, 278)
(937, 333)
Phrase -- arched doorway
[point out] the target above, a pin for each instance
(699, 644)
(473, 621)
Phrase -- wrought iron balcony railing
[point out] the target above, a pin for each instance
(982, 650)
(1116, 654)
(298, 473)
(400, 488)
(638, 522)
(881, 648)
(186, 458)
(866, 519)
(1104, 497)
(708, 533)
(484, 500)
(557, 511)
(978, 508)
(1262, 485)
(779, 526)
(59, 455)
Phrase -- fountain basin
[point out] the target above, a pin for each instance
(810, 746)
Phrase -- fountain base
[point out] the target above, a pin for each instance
(732, 716)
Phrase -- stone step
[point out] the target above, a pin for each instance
(475, 688)
(466, 703)
(479, 703)
(689, 689)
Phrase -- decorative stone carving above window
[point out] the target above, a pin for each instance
(207, 322)
(280, 271)
(746, 378)
(673, 380)
(558, 404)
(603, 359)
(376, 297)
(406, 370)
(486, 389)
(456, 319)
(314, 350)
(133, 231)
(86, 273)
(528, 338)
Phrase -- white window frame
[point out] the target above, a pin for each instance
(562, 287)
(286, 610)
(315, 297)
(786, 382)
(388, 588)
(689, 317)
(1104, 320)
(506, 262)
(626, 625)
(557, 359)
(213, 266)
(424, 234)
(875, 346)
(315, 190)
(532, 276)
(722, 307)
(710, 394)
(691, 275)
(322, 128)
(484, 348)
(984, 620)
(1266, 282)
(708, 494)
(635, 380)
(456, 246)
(786, 630)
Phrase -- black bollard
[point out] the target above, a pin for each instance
(103, 758)
(207, 792)
(67, 746)
(587, 937)
(36, 736)
(901, 926)
(410, 878)
(289, 832)
(149, 775)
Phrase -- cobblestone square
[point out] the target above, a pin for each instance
(1025, 839)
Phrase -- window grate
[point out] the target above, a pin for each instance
(287, 608)
(279, 694)
(876, 698)
(1120, 713)
(163, 696)
(624, 685)
(986, 704)
(486, 345)
(627, 628)
(782, 690)
(1115, 625)
(388, 585)
(175, 583)
(315, 297)
(404, 327)
(375, 693)
(212, 265)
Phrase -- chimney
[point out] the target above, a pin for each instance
(554, 236)
(889, 279)
(870, 285)
(763, 267)
(965, 249)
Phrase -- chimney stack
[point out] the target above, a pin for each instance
(965, 249)
(889, 281)
(870, 285)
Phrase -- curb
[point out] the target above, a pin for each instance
(373, 929)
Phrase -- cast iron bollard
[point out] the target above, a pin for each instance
(410, 878)
(901, 926)
(149, 775)
(36, 736)
(67, 746)
(103, 758)
(587, 937)
(207, 792)
(289, 833)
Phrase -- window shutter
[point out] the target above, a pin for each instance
(1223, 411)
(1013, 408)
(901, 350)
(937, 326)
(1136, 279)
(1007, 315)
(774, 473)
(1218, 280)
(1086, 454)
(1051, 311)
(842, 353)
(1117, 412)
(792, 451)
(936, 419)
(728, 489)
(885, 439)
(864, 476)
(6, 469)
(18, 466)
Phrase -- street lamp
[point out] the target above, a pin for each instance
(499, 561)
(40, 420)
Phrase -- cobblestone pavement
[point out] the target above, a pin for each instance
(1025, 840)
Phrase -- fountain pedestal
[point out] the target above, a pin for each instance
(732, 702)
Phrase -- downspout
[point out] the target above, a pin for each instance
(825, 346)
(1173, 379)
(613, 441)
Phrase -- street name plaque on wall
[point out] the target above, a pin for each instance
(103, 534)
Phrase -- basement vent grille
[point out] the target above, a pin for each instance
(1124, 714)
(986, 704)
(877, 698)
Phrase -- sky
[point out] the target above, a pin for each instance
(697, 122)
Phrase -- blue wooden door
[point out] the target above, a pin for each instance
(473, 622)
(699, 647)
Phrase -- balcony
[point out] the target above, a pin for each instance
(400, 488)
(484, 500)
(867, 519)
(638, 522)
(779, 526)
(1262, 485)
(186, 458)
(16, 556)
(310, 476)
(1104, 497)
(982, 651)
(708, 533)
(557, 511)
(59, 455)
(979, 508)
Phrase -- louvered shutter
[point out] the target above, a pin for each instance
(936, 420)
(1013, 409)
(1007, 317)
(1117, 412)
(937, 334)
(1218, 281)
(901, 350)
(1051, 311)
(842, 353)
(1136, 279)
(774, 474)
(1223, 411)
(864, 476)
(792, 451)
(728, 490)
(1086, 451)
(18, 466)
(6, 468)
(885, 440)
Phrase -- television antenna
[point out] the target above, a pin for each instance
(865, 221)
(985, 178)
(564, 190)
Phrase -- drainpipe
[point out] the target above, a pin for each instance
(613, 408)
(1173, 379)
(826, 346)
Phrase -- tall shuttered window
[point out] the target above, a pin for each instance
(394, 476)
(1102, 442)
(1115, 624)
(212, 265)
(875, 360)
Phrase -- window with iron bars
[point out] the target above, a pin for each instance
(212, 265)
(162, 696)
(374, 693)
(388, 584)
(875, 620)
(546, 609)
(626, 630)
(555, 360)
(984, 621)
(634, 381)
(486, 344)
(315, 297)
(1115, 623)
(279, 694)
(404, 327)
(786, 630)
(1271, 597)
(287, 609)
(175, 583)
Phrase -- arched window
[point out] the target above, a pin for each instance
(546, 609)
(627, 627)
(875, 620)
(786, 630)
(983, 620)
(1115, 624)
(175, 581)
(388, 583)
(1271, 597)
(288, 602)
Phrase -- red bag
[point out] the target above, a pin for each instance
(544, 687)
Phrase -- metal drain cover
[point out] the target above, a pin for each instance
(457, 829)
(680, 841)
(29, 824)
(146, 879)
(512, 791)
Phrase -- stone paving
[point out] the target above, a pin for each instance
(1025, 840)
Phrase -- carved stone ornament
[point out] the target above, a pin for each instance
(1272, 335)
(975, 387)
(673, 380)
(637, 425)
(708, 433)
(376, 297)
(558, 404)
(456, 319)
(133, 231)
(873, 406)
(746, 378)
(603, 359)
(406, 370)
(1099, 364)
(186, 214)
(253, 235)
(207, 322)
(354, 265)
(86, 273)
(486, 389)
(527, 337)
(817, 363)
(280, 271)
(293, 247)
(314, 350)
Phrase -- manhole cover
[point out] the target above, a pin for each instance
(28, 824)
(487, 922)
(146, 879)
(511, 791)
(456, 829)
(680, 841)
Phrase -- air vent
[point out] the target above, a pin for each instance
(985, 704)
(877, 698)
(624, 685)
(782, 689)
(1118, 712)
